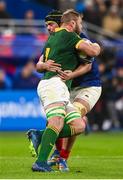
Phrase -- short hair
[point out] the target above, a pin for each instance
(69, 15)
(54, 16)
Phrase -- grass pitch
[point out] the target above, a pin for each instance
(96, 156)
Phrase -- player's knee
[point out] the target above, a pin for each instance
(73, 118)
(55, 115)
(56, 122)
(79, 126)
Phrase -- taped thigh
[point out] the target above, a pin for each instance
(55, 111)
(71, 116)
(81, 108)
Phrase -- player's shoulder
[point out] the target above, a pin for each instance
(65, 31)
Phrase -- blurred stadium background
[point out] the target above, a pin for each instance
(22, 37)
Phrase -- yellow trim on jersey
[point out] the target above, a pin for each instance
(78, 36)
(77, 45)
(47, 53)
(60, 29)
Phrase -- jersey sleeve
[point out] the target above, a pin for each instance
(75, 39)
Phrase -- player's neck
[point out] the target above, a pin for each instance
(68, 27)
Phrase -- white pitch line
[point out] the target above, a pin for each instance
(72, 157)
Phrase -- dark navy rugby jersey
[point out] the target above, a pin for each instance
(92, 78)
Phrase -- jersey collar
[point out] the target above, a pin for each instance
(60, 29)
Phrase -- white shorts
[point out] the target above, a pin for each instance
(89, 94)
(53, 90)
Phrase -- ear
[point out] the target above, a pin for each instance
(73, 22)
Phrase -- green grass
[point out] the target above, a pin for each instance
(96, 156)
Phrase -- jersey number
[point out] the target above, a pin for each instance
(47, 53)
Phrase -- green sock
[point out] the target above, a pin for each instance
(67, 131)
(48, 140)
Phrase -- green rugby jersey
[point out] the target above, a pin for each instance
(61, 47)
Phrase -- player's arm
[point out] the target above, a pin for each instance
(89, 48)
(39, 66)
(49, 65)
(81, 70)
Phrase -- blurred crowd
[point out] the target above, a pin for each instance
(10, 25)
(20, 78)
(108, 14)
(108, 112)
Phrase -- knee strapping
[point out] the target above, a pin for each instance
(55, 111)
(72, 116)
(80, 108)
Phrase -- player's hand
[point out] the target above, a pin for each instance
(65, 75)
(50, 65)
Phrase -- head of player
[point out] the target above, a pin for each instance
(72, 20)
(53, 20)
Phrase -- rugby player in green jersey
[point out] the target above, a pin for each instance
(53, 91)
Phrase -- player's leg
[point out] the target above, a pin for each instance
(51, 93)
(54, 95)
(86, 99)
(55, 115)
(49, 137)
(78, 124)
(84, 102)
(52, 161)
(55, 124)
(66, 142)
(34, 137)
(64, 153)
(51, 133)
(68, 131)
(72, 120)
